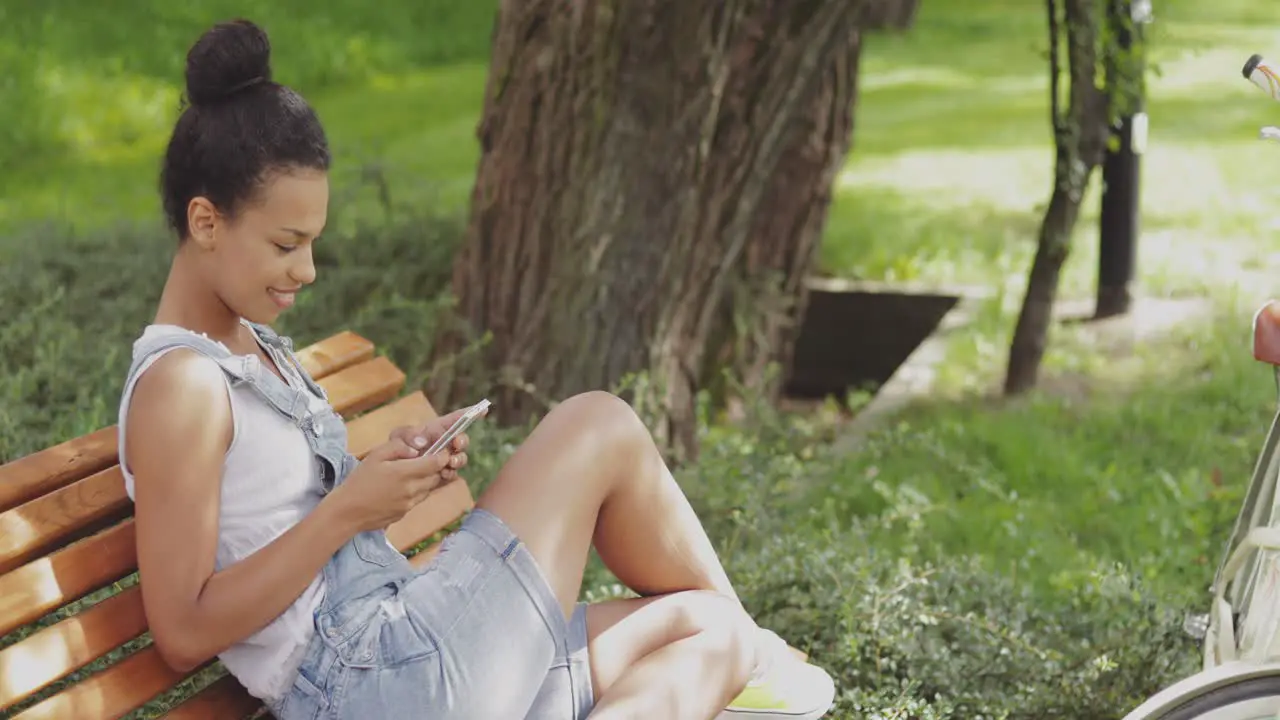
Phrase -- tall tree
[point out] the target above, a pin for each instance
(1085, 31)
(644, 164)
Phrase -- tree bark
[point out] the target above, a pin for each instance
(640, 159)
(1080, 135)
(764, 308)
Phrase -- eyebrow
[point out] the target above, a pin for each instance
(298, 233)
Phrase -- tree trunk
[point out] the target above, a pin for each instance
(1080, 135)
(764, 308)
(628, 151)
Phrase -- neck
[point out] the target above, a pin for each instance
(188, 302)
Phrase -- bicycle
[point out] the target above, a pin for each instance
(1240, 635)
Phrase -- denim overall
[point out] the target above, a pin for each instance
(462, 637)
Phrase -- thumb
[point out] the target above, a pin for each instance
(440, 424)
(408, 434)
(397, 448)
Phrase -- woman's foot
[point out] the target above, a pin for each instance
(782, 687)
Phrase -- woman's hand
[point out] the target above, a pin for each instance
(422, 436)
(392, 479)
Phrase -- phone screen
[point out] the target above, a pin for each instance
(459, 426)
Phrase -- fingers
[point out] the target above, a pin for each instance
(440, 425)
(399, 447)
(443, 464)
(446, 420)
(427, 464)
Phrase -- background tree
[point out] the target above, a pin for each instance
(1082, 128)
(643, 164)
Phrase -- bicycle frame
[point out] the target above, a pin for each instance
(1240, 569)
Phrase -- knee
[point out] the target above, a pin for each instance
(605, 421)
(724, 626)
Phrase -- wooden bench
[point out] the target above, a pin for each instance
(68, 592)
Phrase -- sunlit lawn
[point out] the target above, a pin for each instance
(950, 166)
(952, 162)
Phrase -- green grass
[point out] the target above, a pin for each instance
(1135, 452)
(1140, 462)
(953, 125)
(952, 128)
(950, 168)
(92, 92)
(1132, 453)
(414, 129)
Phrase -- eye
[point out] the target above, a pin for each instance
(285, 248)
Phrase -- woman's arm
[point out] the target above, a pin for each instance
(179, 429)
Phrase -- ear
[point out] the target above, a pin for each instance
(202, 219)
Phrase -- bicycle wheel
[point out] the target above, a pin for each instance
(1253, 699)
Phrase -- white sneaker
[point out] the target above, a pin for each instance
(782, 687)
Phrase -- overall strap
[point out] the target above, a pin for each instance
(283, 345)
(145, 347)
(240, 369)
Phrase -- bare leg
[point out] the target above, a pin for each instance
(658, 656)
(590, 473)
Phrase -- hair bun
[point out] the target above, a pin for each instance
(229, 57)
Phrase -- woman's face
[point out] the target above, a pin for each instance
(257, 261)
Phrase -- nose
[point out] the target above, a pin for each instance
(303, 271)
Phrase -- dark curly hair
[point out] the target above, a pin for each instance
(236, 126)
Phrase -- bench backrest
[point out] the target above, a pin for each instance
(72, 628)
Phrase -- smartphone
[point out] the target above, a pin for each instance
(459, 426)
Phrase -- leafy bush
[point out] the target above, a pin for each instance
(75, 302)
(909, 634)
(847, 565)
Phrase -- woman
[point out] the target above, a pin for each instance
(260, 538)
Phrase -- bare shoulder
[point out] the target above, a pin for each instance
(179, 415)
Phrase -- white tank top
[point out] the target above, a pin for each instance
(269, 484)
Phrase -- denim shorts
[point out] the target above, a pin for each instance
(477, 635)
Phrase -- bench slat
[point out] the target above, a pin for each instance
(444, 505)
(47, 522)
(112, 693)
(223, 699)
(334, 353)
(30, 529)
(371, 430)
(364, 386)
(56, 651)
(42, 472)
(36, 474)
(41, 586)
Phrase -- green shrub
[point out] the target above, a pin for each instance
(847, 564)
(76, 301)
(914, 634)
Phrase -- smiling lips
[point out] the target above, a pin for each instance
(282, 299)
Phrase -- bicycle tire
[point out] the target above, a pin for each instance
(1221, 699)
